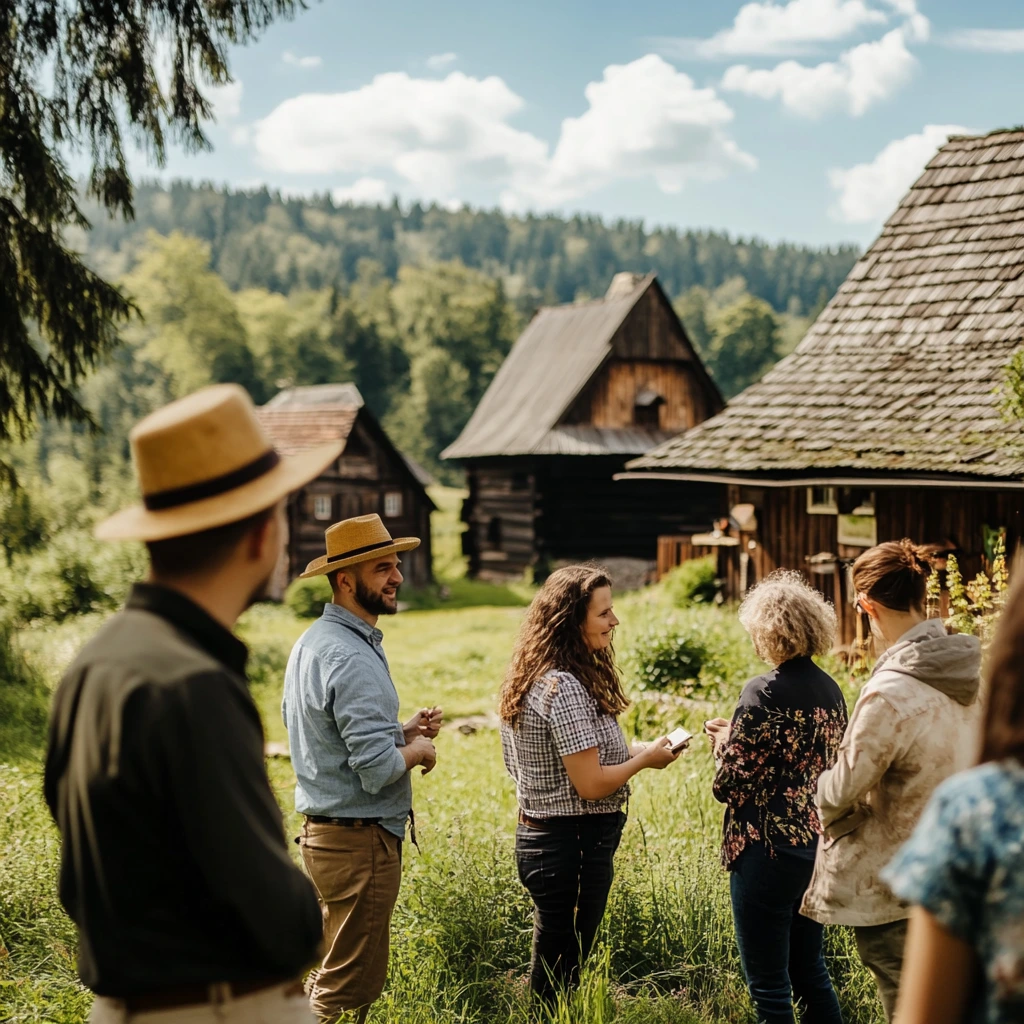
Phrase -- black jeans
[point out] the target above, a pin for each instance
(567, 868)
(781, 951)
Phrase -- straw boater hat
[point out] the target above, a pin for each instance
(206, 461)
(356, 540)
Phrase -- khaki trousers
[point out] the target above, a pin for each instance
(269, 1006)
(357, 871)
(881, 951)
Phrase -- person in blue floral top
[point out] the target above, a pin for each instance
(963, 868)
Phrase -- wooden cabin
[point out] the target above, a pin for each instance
(585, 387)
(885, 422)
(371, 475)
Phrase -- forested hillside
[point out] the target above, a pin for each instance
(417, 306)
(259, 240)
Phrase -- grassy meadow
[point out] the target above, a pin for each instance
(461, 933)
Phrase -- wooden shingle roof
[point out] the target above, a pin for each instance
(304, 417)
(900, 372)
(549, 365)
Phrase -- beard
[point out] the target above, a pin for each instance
(375, 601)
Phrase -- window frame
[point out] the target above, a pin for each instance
(828, 507)
(393, 504)
(318, 499)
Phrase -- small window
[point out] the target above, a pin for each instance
(393, 504)
(322, 506)
(647, 408)
(821, 501)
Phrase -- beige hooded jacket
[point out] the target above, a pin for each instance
(915, 723)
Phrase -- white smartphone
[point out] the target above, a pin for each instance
(678, 738)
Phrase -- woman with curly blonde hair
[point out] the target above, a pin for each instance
(784, 733)
(563, 745)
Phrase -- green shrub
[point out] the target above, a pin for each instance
(24, 699)
(306, 598)
(54, 584)
(692, 583)
(668, 660)
(267, 662)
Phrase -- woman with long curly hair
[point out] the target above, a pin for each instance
(563, 745)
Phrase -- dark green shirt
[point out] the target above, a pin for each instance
(174, 864)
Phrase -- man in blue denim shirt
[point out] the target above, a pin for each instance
(352, 760)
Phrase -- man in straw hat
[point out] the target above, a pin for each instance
(174, 864)
(352, 760)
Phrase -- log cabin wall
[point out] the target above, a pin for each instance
(584, 513)
(787, 534)
(542, 489)
(500, 513)
(367, 478)
(524, 512)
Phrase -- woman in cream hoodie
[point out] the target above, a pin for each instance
(915, 723)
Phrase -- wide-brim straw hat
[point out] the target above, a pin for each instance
(360, 539)
(206, 461)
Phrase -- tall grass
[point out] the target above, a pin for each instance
(461, 936)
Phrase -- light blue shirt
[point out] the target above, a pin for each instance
(341, 711)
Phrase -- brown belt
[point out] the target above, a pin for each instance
(525, 819)
(319, 819)
(197, 995)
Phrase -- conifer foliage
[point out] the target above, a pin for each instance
(81, 77)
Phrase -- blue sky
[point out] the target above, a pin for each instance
(802, 120)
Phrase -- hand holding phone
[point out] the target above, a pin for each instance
(677, 739)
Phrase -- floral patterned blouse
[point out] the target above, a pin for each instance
(965, 865)
(786, 731)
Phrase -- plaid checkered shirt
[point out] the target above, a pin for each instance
(559, 718)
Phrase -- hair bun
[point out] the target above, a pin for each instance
(918, 558)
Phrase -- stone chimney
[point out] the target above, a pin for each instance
(623, 284)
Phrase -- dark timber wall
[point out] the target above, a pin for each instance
(788, 535)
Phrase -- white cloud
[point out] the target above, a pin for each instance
(769, 28)
(430, 132)
(364, 190)
(226, 100)
(241, 134)
(860, 78)
(645, 119)
(987, 40)
(441, 136)
(301, 62)
(869, 192)
(440, 61)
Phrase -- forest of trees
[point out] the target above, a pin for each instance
(417, 306)
(258, 239)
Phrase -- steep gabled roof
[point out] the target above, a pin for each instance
(549, 365)
(303, 417)
(900, 372)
